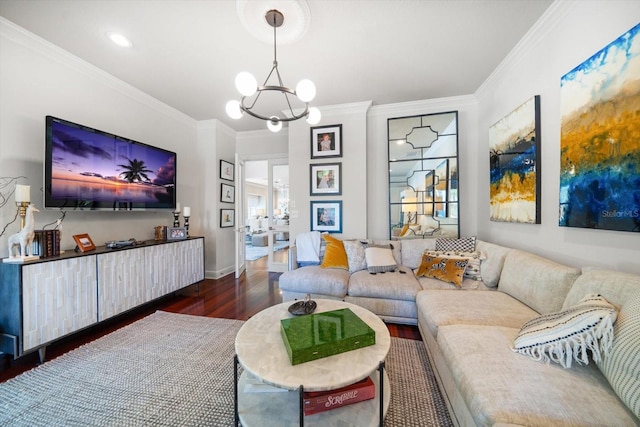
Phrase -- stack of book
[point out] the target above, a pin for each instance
(46, 243)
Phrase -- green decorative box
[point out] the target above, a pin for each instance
(320, 335)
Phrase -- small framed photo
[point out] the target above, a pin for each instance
(226, 170)
(227, 193)
(84, 242)
(325, 179)
(326, 216)
(227, 218)
(176, 233)
(326, 141)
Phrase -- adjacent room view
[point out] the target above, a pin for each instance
(320, 213)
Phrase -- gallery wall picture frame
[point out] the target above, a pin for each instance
(325, 179)
(326, 141)
(227, 193)
(326, 216)
(176, 233)
(227, 218)
(84, 242)
(226, 170)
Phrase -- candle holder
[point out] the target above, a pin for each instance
(186, 224)
(176, 219)
(22, 211)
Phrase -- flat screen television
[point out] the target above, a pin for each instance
(88, 169)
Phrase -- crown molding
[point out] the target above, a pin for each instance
(422, 106)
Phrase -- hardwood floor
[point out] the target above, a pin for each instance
(227, 298)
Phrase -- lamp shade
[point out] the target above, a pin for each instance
(260, 212)
(246, 84)
(274, 124)
(314, 116)
(306, 90)
(23, 193)
(277, 212)
(233, 109)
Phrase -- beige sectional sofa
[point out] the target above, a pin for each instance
(469, 331)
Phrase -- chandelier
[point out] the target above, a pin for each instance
(248, 87)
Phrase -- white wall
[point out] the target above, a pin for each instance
(39, 79)
(566, 35)
(355, 186)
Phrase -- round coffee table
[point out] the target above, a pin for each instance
(261, 352)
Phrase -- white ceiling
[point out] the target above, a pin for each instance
(187, 53)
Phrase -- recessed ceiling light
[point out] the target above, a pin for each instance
(119, 39)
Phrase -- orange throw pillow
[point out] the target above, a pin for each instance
(334, 255)
(447, 269)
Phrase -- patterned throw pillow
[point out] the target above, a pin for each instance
(334, 255)
(468, 244)
(473, 267)
(379, 258)
(570, 334)
(355, 255)
(447, 269)
(621, 366)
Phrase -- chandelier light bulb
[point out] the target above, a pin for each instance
(274, 124)
(233, 109)
(306, 90)
(246, 84)
(314, 116)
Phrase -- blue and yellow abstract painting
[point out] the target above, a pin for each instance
(514, 156)
(600, 139)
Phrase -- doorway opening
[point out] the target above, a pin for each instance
(266, 214)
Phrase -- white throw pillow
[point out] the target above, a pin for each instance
(570, 334)
(380, 260)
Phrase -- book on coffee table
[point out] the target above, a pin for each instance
(320, 401)
(319, 335)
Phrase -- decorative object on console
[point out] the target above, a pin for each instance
(177, 233)
(186, 214)
(160, 232)
(325, 179)
(326, 141)
(326, 216)
(176, 216)
(226, 170)
(227, 193)
(227, 218)
(599, 142)
(571, 334)
(514, 144)
(248, 87)
(23, 198)
(84, 242)
(23, 240)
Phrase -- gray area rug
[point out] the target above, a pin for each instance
(177, 370)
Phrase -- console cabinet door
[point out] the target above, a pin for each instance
(58, 298)
(122, 282)
(190, 263)
(175, 265)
